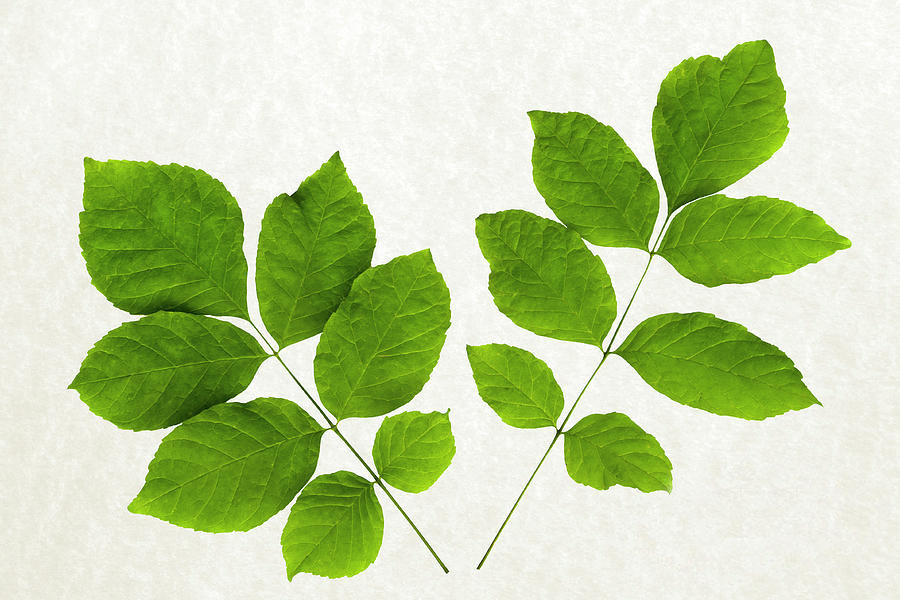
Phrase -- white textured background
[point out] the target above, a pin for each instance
(427, 103)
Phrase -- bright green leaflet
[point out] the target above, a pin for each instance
(544, 278)
(413, 449)
(717, 120)
(163, 237)
(591, 179)
(231, 467)
(606, 450)
(718, 366)
(312, 246)
(718, 240)
(517, 385)
(335, 527)
(379, 348)
(165, 367)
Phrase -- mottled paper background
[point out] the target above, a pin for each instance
(427, 102)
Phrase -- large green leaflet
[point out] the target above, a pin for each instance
(517, 385)
(380, 346)
(413, 449)
(312, 246)
(718, 240)
(717, 120)
(163, 237)
(335, 527)
(592, 180)
(231, 467)
(718, 366)
(606, 450)
(165, 367)
(544, 278)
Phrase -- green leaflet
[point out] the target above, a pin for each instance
(544, 278)
(591, 179)
(231, 467)
(718, 240)
(165, 367)
(335, 527)
(717, 120)
(606, 450)
(413, 449)
(312, 246)
(718, 366)
(163, 237)
(519, 386)
(379, 348)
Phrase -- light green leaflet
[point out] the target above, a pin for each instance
(718, 240)
(312, 246)
(606, 450)
(591, 180)
(379, 348)
(231, 467)
(544, 278)
(717, 120)
(413, 449)
(519, 386)
(163, 237)
(165, 367)
(335, 527)
(718, 366)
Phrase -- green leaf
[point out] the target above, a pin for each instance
(606, 450)
(312, 246)
(717, 120)
(714, 365)
(165, 367)
(379, 348)
(544, 278)
(335, 527)
(163, 237)
(718, 240)
(231, 467)
(413, 449)
(592, 181)
(519, 386)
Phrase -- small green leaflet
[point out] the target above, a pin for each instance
(544, 278)
(312, 246)
(231, 467)
(413, 449)
(718, 240)
(591, 179)
(379, 348)
(519, 386)
(717, 120)
(606, 450)
(165, 367)
(714, 365)
(335, 527)
(163, 237)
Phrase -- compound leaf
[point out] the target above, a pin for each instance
(312, 246)
(717, 120)
(413, 449)
(544, 278)
(606, 450)
(379, 348)
(519, 386)
(335, 527)
(231, 467)
(718, 240)
(163, 237)
(591, 179)
(165, 367)
(714, 365)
